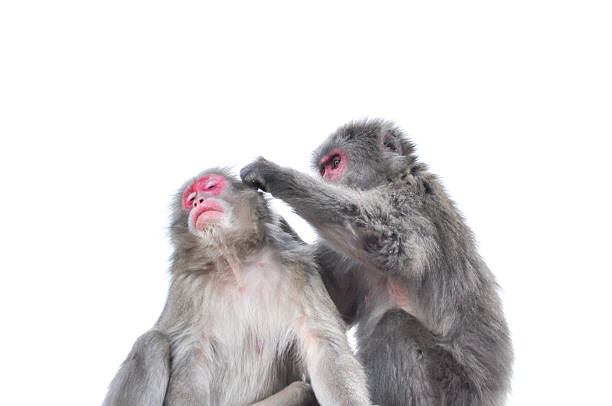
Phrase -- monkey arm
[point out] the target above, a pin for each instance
(336, 376)
(295, 394)
(338, 274)
(143, 376)
(324, 200)
(362, 225)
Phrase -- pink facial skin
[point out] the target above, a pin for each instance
(207, 186)
(332, 165)
(197, 200)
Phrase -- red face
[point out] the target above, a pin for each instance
(332, 165)
(197, 200)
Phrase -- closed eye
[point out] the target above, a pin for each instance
(188, 199)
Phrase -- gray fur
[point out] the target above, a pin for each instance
(247, 318)
(399, 261)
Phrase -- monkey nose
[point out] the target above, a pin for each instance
(199, 201)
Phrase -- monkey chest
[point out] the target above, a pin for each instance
(245, 339)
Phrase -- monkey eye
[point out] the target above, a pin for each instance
(332, 165)
(191, 196)
(211, 184)
(336, 161)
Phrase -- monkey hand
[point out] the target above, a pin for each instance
(258, 173)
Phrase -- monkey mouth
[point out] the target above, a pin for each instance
(206, 213)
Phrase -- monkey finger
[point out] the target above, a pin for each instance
(250, 176)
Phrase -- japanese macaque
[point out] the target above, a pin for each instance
(247, 320)
(400, 263)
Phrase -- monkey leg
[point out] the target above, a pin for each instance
(395, 357)
(298, 393)
(143, 376)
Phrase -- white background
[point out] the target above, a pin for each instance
(107, 107)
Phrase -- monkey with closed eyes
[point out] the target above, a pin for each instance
(400, 263)
(247, 314)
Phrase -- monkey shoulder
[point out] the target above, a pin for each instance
(413, 198)
(296, 258)
(389, 208)
(412, 192)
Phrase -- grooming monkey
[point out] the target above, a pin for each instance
(399, 262)
(247, 314)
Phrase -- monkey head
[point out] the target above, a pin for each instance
(363, 154)
(214, 209)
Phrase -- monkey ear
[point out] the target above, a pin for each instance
(390, 144)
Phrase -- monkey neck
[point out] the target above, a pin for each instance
(225, 253)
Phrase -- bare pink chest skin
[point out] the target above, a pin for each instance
(398, 295)
(197, 199)
(326, 166)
